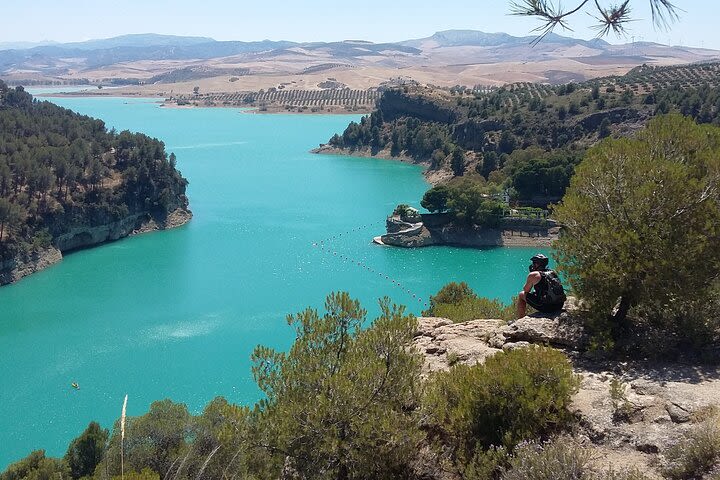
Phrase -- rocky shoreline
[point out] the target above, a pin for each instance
(15, 269)
(653, 404)
(434, 177)
(439, 229)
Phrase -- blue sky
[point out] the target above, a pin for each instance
(318, 20)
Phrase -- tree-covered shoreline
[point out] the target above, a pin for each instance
(60, 170)
(526, 137)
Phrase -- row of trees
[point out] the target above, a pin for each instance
(59, 169)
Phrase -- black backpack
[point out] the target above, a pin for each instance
(555, 291)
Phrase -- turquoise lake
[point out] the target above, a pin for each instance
(176, 314)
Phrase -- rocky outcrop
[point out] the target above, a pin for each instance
(79, 237)
(396, 103)
(628, 412)
(444, 343)
(442, 231)
(616, 115)
(21, 266)
(88, 236)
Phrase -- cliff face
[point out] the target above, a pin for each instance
(395, 103)
(439, 229)
(84, 236)
(21, 266)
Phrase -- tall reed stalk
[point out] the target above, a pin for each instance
(122, 439)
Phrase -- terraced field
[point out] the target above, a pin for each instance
(290, 100)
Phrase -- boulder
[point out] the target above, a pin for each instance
(561, 330)
(444, 343)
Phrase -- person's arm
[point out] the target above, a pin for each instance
(532, 279)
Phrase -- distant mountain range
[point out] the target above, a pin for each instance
(139, 58)
(458, 38)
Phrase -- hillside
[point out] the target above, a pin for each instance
(66, 182)
(156, 64)
(526, 136)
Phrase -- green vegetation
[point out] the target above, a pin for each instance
(641, 234)
(485, 411)
(469, 200)
(36, 466)
(562, 459)
(457, 302)
(528, 137)
(59, 170)
(534, 174)
(86, 451)
(339, 403)
(406, 213)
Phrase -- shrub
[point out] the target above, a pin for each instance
(406, 213)
(560, 459)
(86, 451)
(36, 466)
(514, 396)
(453, 292)
(457, 302)
(622, 408)
(339, 402)
(697, 454)
(474, 308)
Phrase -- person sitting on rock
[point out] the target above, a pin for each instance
(548, 295)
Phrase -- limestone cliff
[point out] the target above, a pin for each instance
(84, 236)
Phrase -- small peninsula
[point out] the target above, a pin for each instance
(428, 229)
(67, 182)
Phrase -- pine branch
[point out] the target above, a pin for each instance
(612, 18)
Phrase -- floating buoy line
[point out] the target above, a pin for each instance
(326, 246)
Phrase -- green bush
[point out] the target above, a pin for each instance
(36, 466)
(458, 302)
(470, 200)
(340, 403)
(474, 308)
(514, 396)
(697, 454)
(145, 474)
(86, 451)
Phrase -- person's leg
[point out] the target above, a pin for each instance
(521, 305)
(534, 301)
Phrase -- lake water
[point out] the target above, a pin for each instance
(176, 314)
